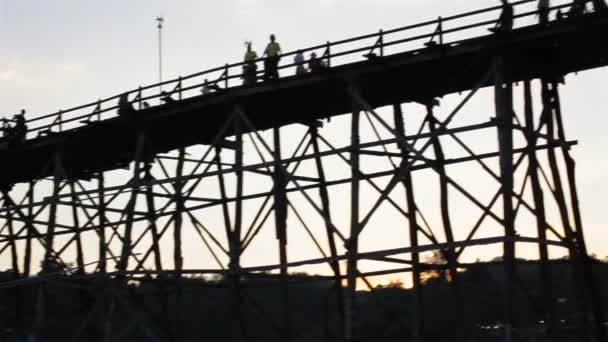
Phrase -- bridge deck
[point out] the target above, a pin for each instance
(564, 47)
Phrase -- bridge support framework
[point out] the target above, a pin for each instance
(226, 194)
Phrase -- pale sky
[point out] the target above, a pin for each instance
(61, 53)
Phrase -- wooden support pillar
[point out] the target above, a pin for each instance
(178, 259)
(590, 303)
(578, 281)
(151, 217)
(126, 250)
(12, 242)
(76, 221)
(417, 325)
(161, 279)
(27, 258)
(503, 90)
(125, 254)
(234, 234)
(325, 208)
(353, 242)
(49, 257)
(448, 253)
(102, 267)
(17, 290)
(280, 217)
(50, 262)
(104, 299)
(548, 300)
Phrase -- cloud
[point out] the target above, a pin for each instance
(18, 71)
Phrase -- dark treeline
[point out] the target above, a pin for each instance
(197, 309)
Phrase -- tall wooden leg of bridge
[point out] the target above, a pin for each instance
(27, 258)
(325, 207)
(353, 241)
(178, 187)
(233, 233)
(104, 300)
(548, 300)
(589, 302)
(119, 283)
(238, 218)
(280, 216)
(417, 325)
(449, 252)
(504, 116)
(17, 291)
(162, 278)
(549, 103)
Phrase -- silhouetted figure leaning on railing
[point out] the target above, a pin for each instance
(543, 12)
(579, 7)
(125, 108)
(166, 97)
(16, 134)
(315, 64)
(505, 21)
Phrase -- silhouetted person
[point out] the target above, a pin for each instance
(271, 63)
(315, 64)
(505, 21)
(578, 8)
(20, 128)
(166, 98)
(543, 12)
(125, 108)
(206, 89)
(15, 134)
(299, 61)
(250, 68)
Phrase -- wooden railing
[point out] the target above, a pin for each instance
(444, 31)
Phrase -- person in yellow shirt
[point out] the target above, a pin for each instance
(250, 67)
(273, 55)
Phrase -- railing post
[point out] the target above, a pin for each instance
(226, 76)
(328, 50)
(440, 30)
(98, 109)
(381, 42)
(139, 101)
(179, 83)
(60, 117)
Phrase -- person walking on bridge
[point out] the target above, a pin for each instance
(543, 12)
(271, 63)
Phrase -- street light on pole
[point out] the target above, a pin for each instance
(160, 21)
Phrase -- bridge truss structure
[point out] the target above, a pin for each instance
(238, 205)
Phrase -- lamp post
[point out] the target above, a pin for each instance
(160, 21)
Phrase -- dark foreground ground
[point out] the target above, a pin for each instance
(79, 308)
